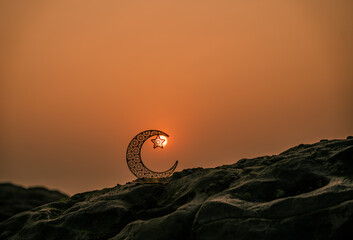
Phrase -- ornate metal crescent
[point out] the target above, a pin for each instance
(133, 156)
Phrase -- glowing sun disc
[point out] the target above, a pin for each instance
(165, 140)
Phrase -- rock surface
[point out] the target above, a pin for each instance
(305, 192)
(15, 199)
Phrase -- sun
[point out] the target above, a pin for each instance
(165, 140)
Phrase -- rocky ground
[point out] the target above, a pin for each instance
(15, 199)
(305, 192)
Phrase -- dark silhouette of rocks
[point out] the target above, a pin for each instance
(15, 199)
(305, 192)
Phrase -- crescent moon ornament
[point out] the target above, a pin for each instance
(133, 155)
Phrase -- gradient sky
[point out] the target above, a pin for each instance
(226, 79)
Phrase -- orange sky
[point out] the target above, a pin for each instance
(226, 79)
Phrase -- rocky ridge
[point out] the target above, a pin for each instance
(305, 192)
(15, 199)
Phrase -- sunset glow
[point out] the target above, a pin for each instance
(165, 140)
(225, 79)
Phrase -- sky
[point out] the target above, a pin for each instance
(226, 79)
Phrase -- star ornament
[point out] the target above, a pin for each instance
(158, 142)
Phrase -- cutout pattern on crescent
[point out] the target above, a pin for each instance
(134, 161)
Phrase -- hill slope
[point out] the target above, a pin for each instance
(15, 199)
(305, 192)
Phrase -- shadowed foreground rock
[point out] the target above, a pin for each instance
(305, 192)
(15, 199)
